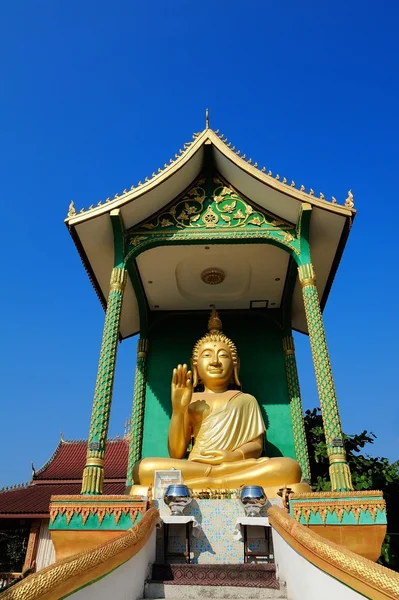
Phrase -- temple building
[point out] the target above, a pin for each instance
(213, 262)
(25, 508)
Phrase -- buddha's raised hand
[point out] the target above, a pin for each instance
(182, 389)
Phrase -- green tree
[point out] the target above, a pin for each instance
(368, 473)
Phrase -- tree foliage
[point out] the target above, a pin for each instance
(13, 543)
(368, 473)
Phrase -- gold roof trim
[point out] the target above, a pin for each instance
(224, 146)
(127, 195)
(72, 573)
(282, 185)
(359, 573)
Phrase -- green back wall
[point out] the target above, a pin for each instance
(262, 373)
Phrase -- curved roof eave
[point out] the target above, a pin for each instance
(92, 229)
(176, 170)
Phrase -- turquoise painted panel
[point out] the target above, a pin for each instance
(262, 374)
(365, 518)
(92, 523)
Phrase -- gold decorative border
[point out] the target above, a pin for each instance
(317, 495)
(304, 509)
(74, 572)
(104, 505)
(100, 511)
(98, 499)
(368, 578)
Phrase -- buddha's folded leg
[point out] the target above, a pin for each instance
(233, 467)
(264, 472)
(143, 470)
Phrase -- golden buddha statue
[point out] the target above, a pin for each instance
(227, 426)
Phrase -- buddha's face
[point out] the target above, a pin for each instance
(215, 366)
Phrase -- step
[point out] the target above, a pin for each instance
(202, 592)
(251, 575)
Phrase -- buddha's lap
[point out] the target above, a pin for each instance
(283, 466)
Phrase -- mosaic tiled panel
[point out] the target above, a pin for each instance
(215, 543)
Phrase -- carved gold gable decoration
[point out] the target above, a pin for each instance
(224, 209)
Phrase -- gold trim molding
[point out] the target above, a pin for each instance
(73, 573)
(333, 495)
(338, 507)
(358, 573)
(100, 506)
(117, 510)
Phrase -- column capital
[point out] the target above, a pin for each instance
(307, 275)
(118, 279)
(288, 345)
(142, 348)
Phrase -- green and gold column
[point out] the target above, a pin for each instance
(301, 448)
(340, 476)
(137, 424)
(93, 474)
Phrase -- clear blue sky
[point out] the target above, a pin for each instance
(97, 95)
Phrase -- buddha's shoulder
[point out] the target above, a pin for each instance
(247, 398)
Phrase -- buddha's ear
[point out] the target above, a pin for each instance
(195, 375)
(236, 373)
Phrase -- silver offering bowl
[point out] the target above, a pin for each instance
(253, 498)
(177, 497)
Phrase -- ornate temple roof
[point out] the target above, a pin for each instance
(62, 474)
(92, 232)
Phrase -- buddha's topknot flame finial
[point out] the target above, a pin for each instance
(214, 322)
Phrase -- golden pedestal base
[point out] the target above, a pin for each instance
(68, 543)
(365, 540)
(271, 492)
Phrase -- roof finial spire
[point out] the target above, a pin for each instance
(207, 118)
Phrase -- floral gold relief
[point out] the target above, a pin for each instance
(220, 214)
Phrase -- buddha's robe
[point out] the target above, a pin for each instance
(229, 427)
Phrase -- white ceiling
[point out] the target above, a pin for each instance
(175, 272)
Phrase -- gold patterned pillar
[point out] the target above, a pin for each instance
(298, 426)
(137, 423)
(340, 476)
(93, 474)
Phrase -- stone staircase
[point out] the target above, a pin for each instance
(219, 582)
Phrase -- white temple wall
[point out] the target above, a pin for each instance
(303, 579)
(45, 554)
(126, 582)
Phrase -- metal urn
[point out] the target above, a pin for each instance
(253, 498)
(177, 497)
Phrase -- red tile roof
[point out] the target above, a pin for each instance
(34, 500)
(69, 458)
(62, 475)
